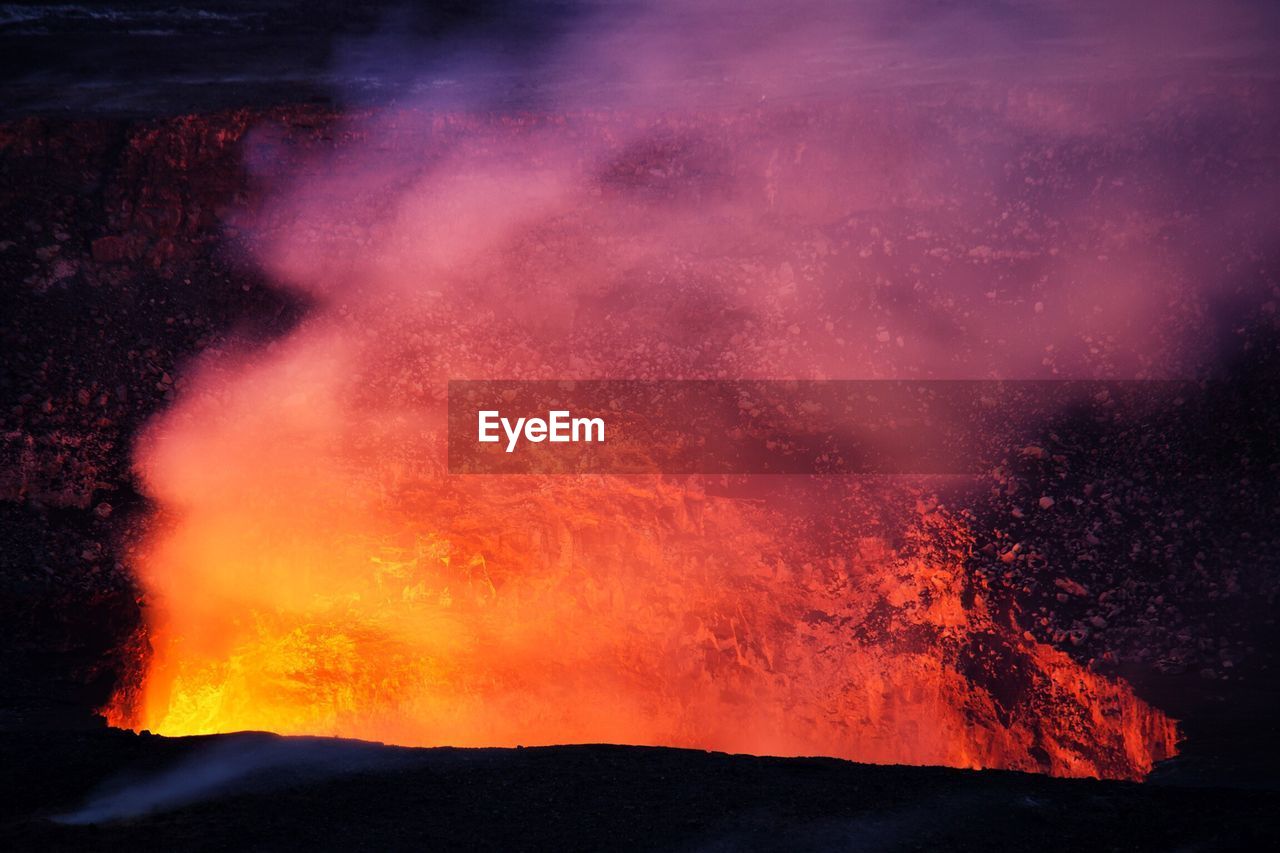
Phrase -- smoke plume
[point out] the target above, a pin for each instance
(690, 190)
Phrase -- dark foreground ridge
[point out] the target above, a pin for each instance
(112, 790)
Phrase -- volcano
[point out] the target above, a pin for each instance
(242, 568)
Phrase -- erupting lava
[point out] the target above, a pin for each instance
(315, 571)
(312, 569)
(552, 610)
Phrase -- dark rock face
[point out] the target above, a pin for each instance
(114, 275)
(99, 791)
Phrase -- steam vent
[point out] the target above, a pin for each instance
(645, 425)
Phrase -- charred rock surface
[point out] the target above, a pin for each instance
(253, 791)
(112, 281)
(1150, 552)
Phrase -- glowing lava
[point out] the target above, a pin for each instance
(312, 583)
(312, 569)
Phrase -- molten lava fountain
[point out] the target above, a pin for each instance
(311, 568)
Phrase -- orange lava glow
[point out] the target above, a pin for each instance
(312, 569)
(307, 588)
